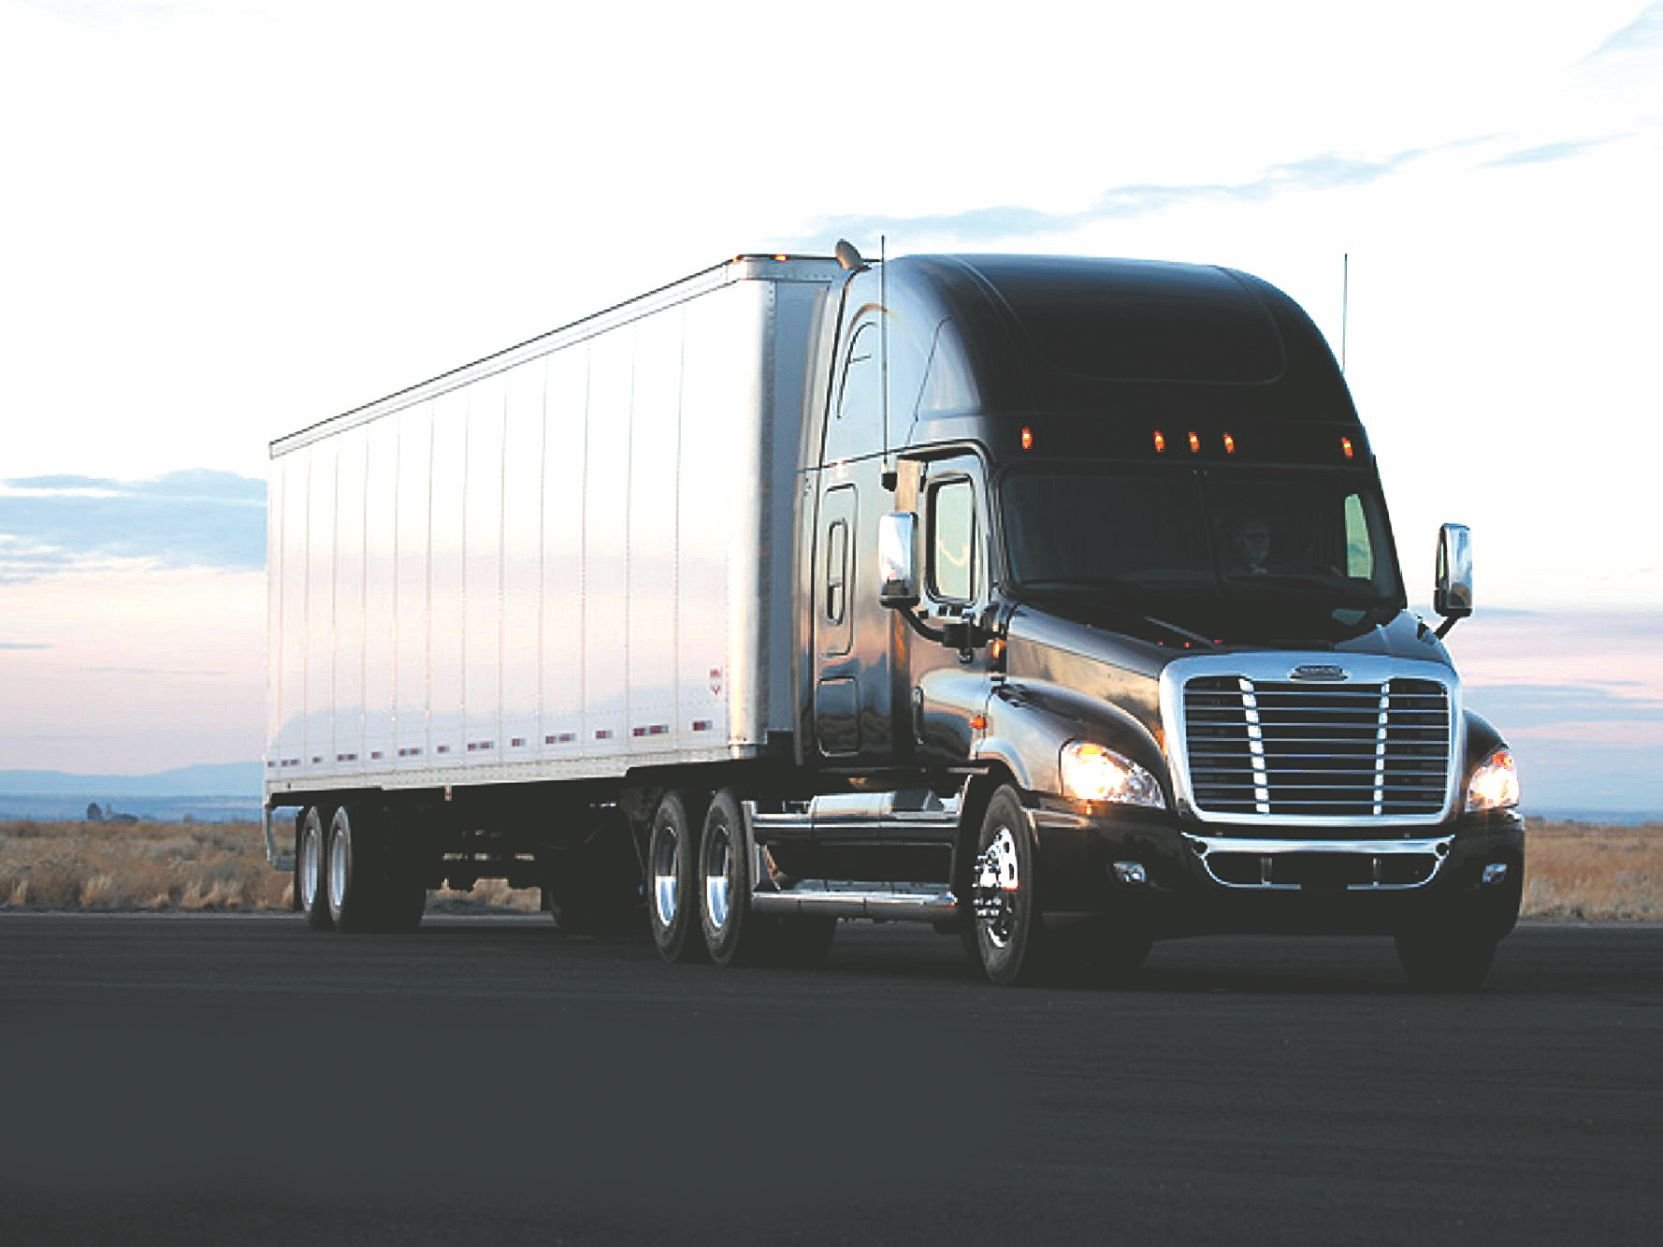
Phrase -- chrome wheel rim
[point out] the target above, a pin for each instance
(665, 883)
(310, 865)
(718, 872)
(337, 870)
(998, 884)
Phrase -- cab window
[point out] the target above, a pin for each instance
(952, 516)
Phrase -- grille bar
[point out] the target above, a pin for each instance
(1358, 750)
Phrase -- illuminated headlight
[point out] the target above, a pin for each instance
(1093, 773)
(1495, 784)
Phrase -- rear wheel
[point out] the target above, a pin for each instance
(672, 877)
(733, 933)
(310, 851)
(371, 885)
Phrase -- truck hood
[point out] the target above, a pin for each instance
(1119, 658)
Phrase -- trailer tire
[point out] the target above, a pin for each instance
(311, 847)
(1012, 942)
(672, 877)
(734, 934)
(371, 886)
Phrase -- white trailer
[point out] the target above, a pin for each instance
(552, 563)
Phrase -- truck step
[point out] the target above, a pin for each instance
(884, 902)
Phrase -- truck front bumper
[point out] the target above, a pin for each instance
(1179, 878)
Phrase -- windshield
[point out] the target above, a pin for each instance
(1226, 551)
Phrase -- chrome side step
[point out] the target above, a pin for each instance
(900, 902)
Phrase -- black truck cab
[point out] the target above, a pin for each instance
(1097, 590)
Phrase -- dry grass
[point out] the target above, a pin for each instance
(1574, 871)
(185, 866)
(1588, 871)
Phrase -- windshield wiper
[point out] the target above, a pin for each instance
(1177, 631)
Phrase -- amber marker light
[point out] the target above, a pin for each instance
(1160, 442)
(1027, 438)
(996, 649)
(782, 258)
(1195, 443)
(978, 722)
(1346, 446)
(1229, 444)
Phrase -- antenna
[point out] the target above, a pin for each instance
(889, 475)
(1345, 306)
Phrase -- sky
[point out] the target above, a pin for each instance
(223, 221)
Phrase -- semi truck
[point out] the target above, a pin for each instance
(1050, 601)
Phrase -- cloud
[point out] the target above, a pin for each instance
(1326, 171)
(1643, 34)
(1548, 152)
(1519, 706)
(196, 518)
(19, 645)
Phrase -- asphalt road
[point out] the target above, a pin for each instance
(243, 1079)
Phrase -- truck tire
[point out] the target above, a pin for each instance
(1011, 940)
(370, 886)
(310, 855)
(1446, 957)
(733, 933)
(672, 877)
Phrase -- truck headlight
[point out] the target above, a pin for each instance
(1092, 773)
(1495, 784)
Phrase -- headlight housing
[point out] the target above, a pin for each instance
(1091, 772)
(1494, 784)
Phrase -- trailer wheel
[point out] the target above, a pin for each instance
(1011, 939)
(672, 877)
(310, 851)
(370, 887)
(733, 934)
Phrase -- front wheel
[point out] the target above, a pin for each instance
(1010, 936)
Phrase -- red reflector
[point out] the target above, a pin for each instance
(1160, 442)
(1195, 443)
(1229, 444)
(1027, 438)
(1346, 446)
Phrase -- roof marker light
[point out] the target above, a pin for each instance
(1195, 443)
(1346, 446)
(1027, 438)
(1229, 444)
(1160, 442)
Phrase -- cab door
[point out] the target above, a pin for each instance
(950, 686)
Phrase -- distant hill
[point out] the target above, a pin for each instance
(226, 779)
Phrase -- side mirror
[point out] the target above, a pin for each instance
(1452, 590)
(897, 571)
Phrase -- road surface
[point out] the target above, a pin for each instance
(224, 1079)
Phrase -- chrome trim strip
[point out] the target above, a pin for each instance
(1436, 848)
(1276, 666)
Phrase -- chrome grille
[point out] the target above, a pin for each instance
(1280, 748)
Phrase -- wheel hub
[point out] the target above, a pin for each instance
(997, 883)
